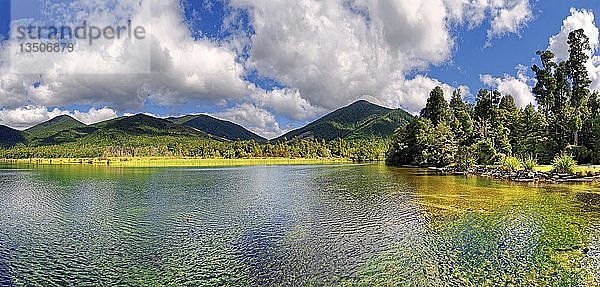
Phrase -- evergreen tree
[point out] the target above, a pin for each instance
(579, 50)
(530, 135)
(461, 121)
(436, 109)
(546, 84)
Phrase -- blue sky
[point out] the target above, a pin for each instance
(279, 75)
(472, 58)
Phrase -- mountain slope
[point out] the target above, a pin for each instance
(360, 120)
(10, 137)
(142, 124)
(52, 127)
(217, 127)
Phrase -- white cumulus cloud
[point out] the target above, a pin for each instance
(258, 120)
(27, 116)
(579, 19)
(325, 54)
(505, 16)
(518, 87)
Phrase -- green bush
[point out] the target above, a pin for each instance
(484, 152)
(529, 163)
(580, 153)
(510, 163)
(564, 163)
(464, 159)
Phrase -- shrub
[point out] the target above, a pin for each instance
(484, 152)
(510, 163)
(564, 163)
(580, 153)
(529, 163)
(464, 159)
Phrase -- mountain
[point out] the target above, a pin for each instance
(360, 120)
(10, 137)
(102, 124)
(142, 124)
(216, 127)
(53, 126)
(64, 129)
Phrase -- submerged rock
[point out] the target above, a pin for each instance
(521, 176)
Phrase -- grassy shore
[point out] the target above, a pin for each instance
(578, 169)
(172, 161)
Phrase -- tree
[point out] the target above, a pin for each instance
(436, 108)
(410, 144)
(484, 108)
(443, 146)
(508, 119)
(579, 51)
(457, 103)
(531, 136)
(461, 121)
(546, 85)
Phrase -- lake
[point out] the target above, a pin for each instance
(291, 225)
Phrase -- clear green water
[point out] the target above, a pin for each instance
(291, 225)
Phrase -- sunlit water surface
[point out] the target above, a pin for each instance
(291, 225)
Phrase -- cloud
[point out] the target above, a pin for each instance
(176, 69)
(509, 19)
(258, 120)
(505, 16)
(579, 19)
(333, 55)
(517, 87)
(325, 54)
(412, 94)
(286, 102)
(334, 52)
(25, 117)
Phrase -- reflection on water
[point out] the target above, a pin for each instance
(291, 225)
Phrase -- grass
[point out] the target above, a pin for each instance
(578, 169)
(173, 161)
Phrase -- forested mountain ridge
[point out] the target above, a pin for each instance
(10, 137)
(217, 127)
(42, 131)
(359, 120)
(142, 124)
(363, 130)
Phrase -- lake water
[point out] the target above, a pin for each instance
(291, 225)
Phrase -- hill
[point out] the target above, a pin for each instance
(217, 127)
(53, 126)
(360, 120)
(10, 137)
(144, 125)
(64, 129)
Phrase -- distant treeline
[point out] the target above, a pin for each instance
(567, 120)
(183, 146)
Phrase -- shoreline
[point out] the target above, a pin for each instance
(171, 161)
(535, 176)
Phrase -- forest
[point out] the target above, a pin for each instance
(566, 121)
(188, 146)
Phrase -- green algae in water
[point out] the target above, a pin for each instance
(490, 234)
(366, 225)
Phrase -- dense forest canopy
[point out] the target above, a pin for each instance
(566, 121)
